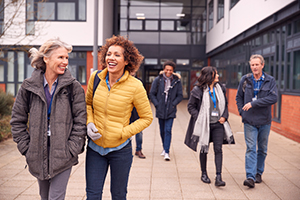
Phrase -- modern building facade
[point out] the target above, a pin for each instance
(192, 33)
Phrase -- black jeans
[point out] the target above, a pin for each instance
(216, 136)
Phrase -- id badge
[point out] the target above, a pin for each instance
(254, 98)
(215, 113)
(49, 131)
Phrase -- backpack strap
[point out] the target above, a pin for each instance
(96, 81)
(71, 98)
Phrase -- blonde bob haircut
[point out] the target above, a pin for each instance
(46, 50)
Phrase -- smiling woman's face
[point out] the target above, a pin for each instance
(115, 60)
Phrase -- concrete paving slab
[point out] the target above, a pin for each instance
(179, 179)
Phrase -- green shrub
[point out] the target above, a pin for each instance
(5, 131)
(6, 103)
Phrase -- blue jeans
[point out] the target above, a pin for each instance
(139, 141)
(96, 169)
(256, 138)
(165, 126)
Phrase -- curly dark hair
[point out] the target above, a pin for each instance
(131, 53)
(207, 76)
(170, 63)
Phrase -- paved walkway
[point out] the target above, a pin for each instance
(179, 179)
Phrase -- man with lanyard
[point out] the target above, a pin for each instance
(257, 92)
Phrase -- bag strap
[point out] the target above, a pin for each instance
(96, 81)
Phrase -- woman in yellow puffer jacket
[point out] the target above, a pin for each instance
(108, 114)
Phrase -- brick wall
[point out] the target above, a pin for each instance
(290, 115)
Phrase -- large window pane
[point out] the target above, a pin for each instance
(46, 11)
(81, 10)
(151, 25)
(220, 9)
(144, 37)
(183, 25)
(175, 12)
(147, 12)
(30, 9)
(29, 71)
(167, 25)
(210, 14)
(185, 82)
(296, 71)
(10, 66)
(21, 65)
(66, 11)
(73, 70)
(175, 38)
(136, 25)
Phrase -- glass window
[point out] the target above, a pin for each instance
(122, 12)
(150, 61)
(296, 70)
(163, 60)
(123, 25)
(210, 14)
(10, 66)
(30, 69)
(175, 38)
(199, 12)
(297, 26)
(289, 29)
(21, 64)
(52, 10)
(182, 61)
(198, 63)
(30, 27)
(175, 12)
(73, 70)
(66, 11)
(81, 9)
(167, 25)
(183, 25)
(30, 9)
(145, 12)
(81, 74)
(136, 25)
(1, 73)
(139, 37)
(151, 25)
(220, 9)
(233, 2)
(10, 88)
(199, 38)
(288, 64)
(46, 11)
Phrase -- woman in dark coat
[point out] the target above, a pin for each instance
(54, 103)
(209, 113)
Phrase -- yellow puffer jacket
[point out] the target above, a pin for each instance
(112, 109)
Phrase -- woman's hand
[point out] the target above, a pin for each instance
(222, 120)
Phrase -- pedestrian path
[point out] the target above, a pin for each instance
(179, 179)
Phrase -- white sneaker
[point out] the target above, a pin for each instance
(167, 157)
(163, 153)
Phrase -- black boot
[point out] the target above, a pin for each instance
(219, 181)
(205, 178)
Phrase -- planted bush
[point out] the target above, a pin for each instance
(6, 103)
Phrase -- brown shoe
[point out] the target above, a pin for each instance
(140, 154)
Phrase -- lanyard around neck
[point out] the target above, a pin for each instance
(213, 98)
(49, 109)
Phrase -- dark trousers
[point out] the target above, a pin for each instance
(216, 136)
(97, 166)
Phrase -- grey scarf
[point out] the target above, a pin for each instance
(201, 128)
(167, 84)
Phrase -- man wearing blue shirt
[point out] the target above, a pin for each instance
(257, 92)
